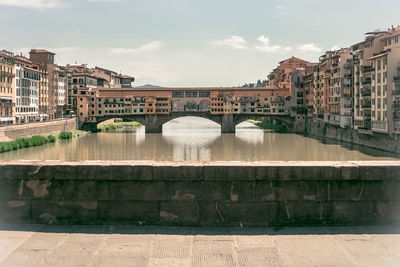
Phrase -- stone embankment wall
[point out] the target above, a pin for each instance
(376, 140)
(8, 133)
(221, 193)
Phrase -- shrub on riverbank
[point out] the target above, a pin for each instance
(111, 127)
(36, 140)
(51, 139)
(65, 135)
(278, 127)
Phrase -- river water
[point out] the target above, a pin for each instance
(196, 139)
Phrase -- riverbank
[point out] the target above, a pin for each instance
(39, 140)
(114, 126)
(13, 132)
(381, 141)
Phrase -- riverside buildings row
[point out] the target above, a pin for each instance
(356, 87)
(36, 89)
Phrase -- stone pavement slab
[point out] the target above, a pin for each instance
(117, 245)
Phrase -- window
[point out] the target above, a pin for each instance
(191, 94)
(204, 93)
(178, 94)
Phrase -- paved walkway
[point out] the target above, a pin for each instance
(49, 245)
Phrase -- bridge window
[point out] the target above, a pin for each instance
(191, 94)
(204, 93)
(178, 94)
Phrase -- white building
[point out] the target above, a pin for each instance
(27, 80)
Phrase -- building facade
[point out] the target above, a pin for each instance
(27, 84)
(7, 88)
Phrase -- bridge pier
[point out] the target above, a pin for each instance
(227, 125)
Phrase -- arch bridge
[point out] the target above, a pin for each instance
(154, 122)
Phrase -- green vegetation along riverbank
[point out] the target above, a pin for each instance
(36, 140)
(278, 127)
(111, 127)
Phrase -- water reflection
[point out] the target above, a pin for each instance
(191, 144)
(191, 138)
(249, 133)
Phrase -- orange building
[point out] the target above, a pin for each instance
(280, 78)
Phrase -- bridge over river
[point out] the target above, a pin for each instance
(154, 122)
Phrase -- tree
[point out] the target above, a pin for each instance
(259, 83)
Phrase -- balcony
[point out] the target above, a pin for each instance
(366, 105)
(367, 69)
(365, 92)
(348, 106)
(366, 82)
(367, 115)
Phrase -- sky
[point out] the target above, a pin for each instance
(189, 42)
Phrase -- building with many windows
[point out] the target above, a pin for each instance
(7, 88)
(27, 84)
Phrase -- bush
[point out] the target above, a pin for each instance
(51, 139)
(111, 127)
(65, 135)
(36, 140)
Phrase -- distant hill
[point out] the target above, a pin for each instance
(148, 86)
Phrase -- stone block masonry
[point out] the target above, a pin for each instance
(8, 133)
(201, 194)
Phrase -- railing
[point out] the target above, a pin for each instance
(366, 82)
(366, 105)
(365, 92)
(396, 92)
(396, 105)
(367, 69)
(396, 78)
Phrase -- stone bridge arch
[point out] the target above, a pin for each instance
(154, 122)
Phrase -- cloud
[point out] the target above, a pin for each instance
(108, 1)
(152, 46)
(34, 4)
(152, 71)
(266, 47)
(309, 48)
(335, 47)
(234, 42)
(281, 10)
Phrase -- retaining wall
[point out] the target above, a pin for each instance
(376, 140)
(222, 194)
(24, 130)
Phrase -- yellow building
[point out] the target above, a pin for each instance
(7, 88)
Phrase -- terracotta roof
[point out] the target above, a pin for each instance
(126, 77)
(41, 51)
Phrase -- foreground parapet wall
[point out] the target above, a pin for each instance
(219, 193)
